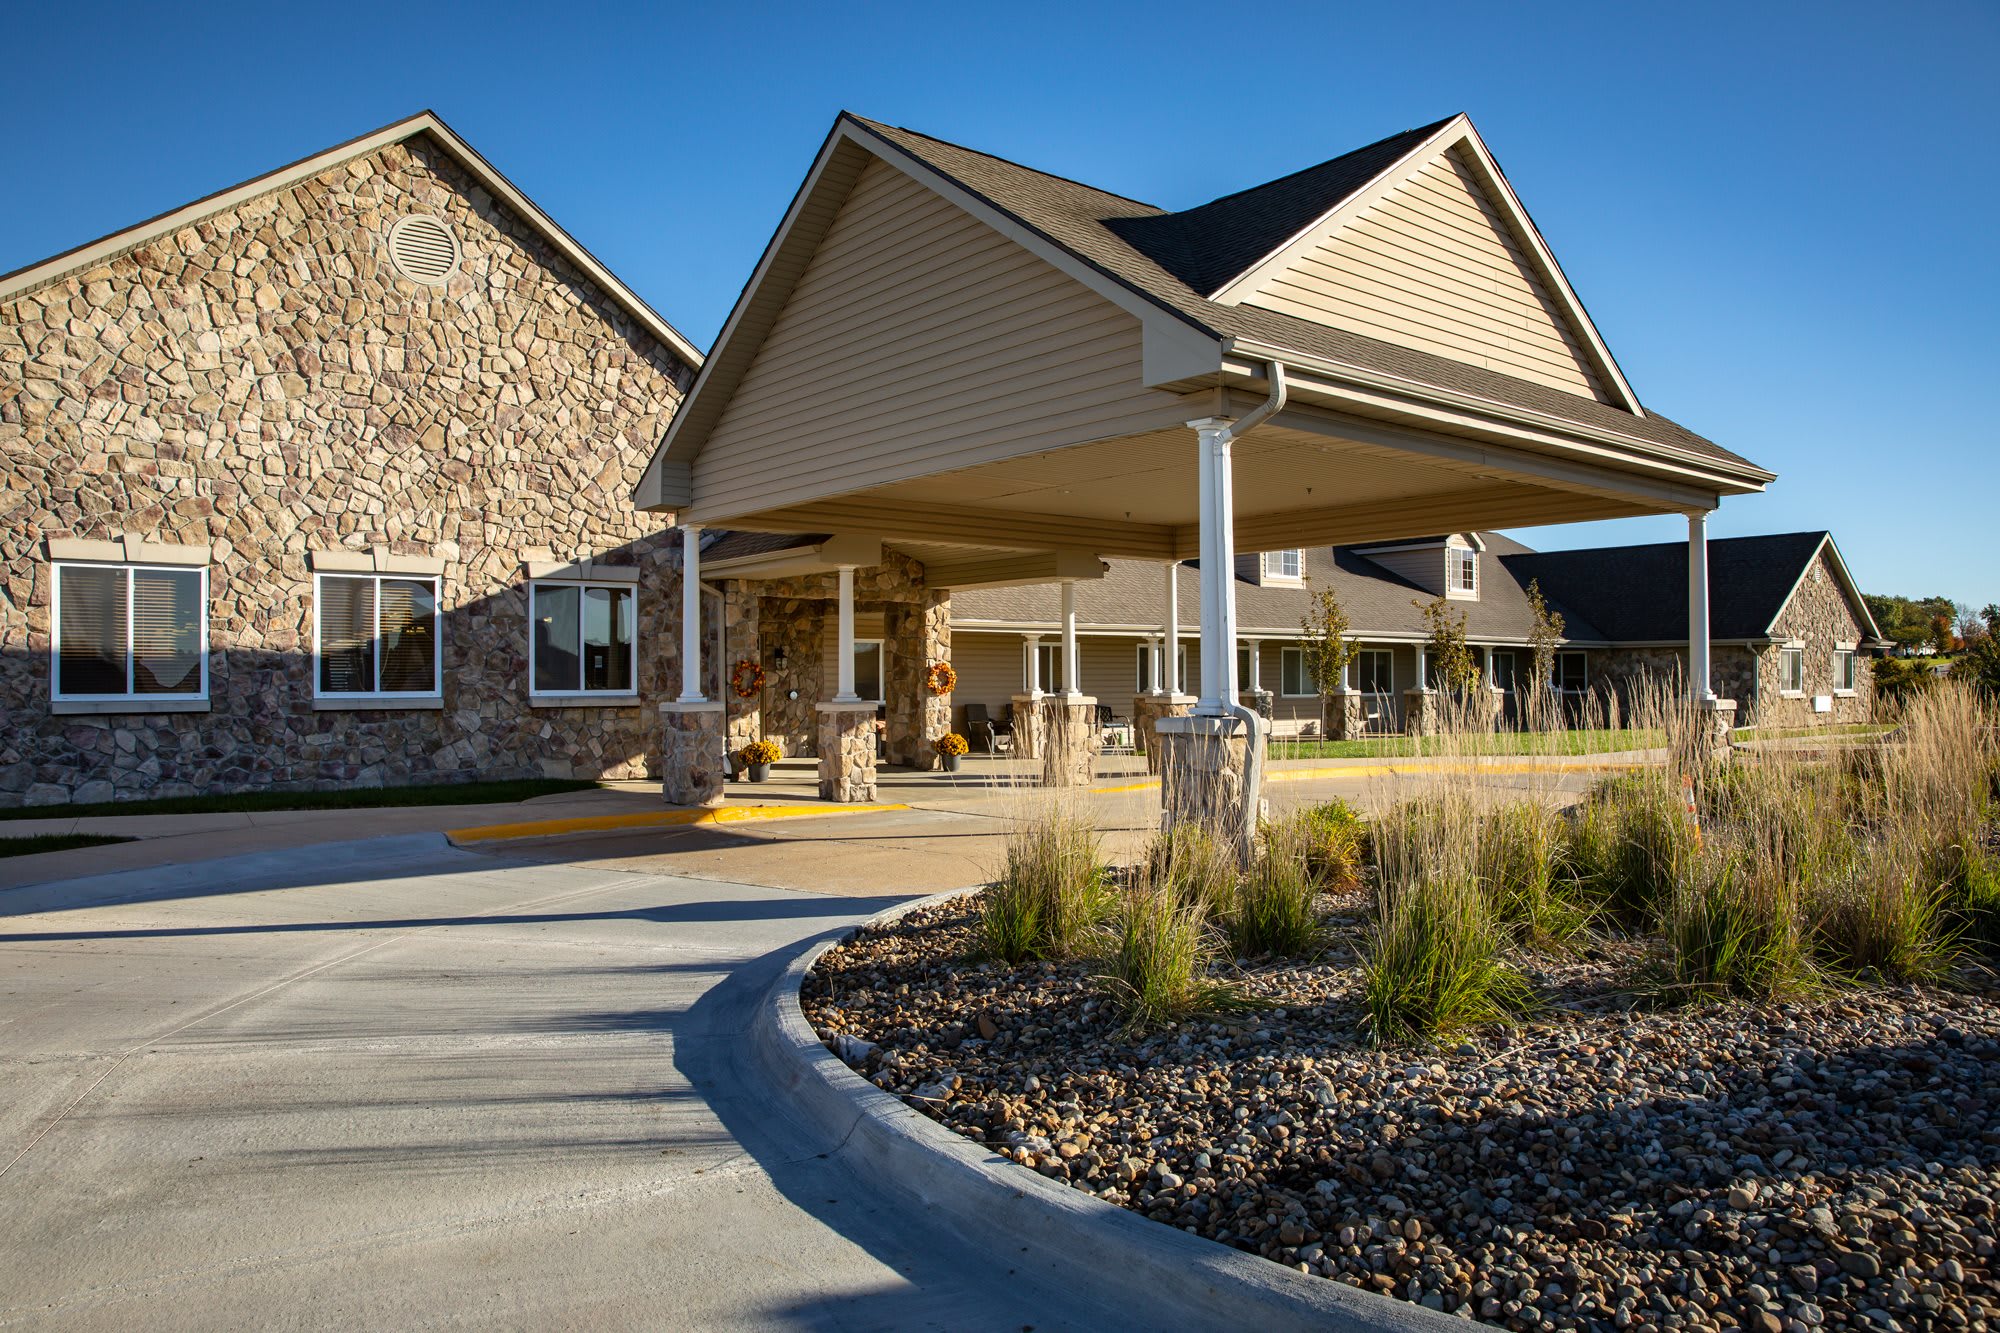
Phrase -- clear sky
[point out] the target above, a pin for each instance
(1780, 215)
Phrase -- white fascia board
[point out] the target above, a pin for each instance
(94, 253)
(1454, 133)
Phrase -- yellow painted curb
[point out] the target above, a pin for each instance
(728, 814)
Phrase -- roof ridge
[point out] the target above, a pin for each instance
(1422, 130)
(1006, 161)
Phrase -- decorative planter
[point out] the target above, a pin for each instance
(758, 772)
(951, 762)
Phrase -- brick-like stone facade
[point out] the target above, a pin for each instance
(693, 766)
(846, 753)
(265, 384)
(1819, 617)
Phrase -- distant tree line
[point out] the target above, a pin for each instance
(1944, 626)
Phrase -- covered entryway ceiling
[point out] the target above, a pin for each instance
(943, 348)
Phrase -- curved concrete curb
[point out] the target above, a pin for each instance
(1152, 1274)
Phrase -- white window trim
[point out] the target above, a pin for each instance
(581, 695)
(1141, 667)
(1564, 655)
(1853, 671)
(1273, 570)
(130, 701)
(1452, 555)
(411, 699)
(1389, 653)
(881, 669)
(1300, 653)
(1785, 650)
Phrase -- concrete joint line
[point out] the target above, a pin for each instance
(1153, 1274)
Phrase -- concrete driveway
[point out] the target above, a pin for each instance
(391, 1084)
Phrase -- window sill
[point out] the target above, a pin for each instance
(1844, 694)
(376, 703)
(606, 699)
(138, 705)
(1791, 694)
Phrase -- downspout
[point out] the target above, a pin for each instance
(1253, 757)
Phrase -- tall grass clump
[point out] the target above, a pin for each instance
(1196, 864)
(1632, 845)
(1334, 839)
(1277, 905)
(1732, 930)
(1524, 864)
(1156, 964)
(1054, 892)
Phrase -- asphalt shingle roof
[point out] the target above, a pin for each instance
(1638, 594)
(1172, 259)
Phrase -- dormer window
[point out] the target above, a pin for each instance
(1461, 572)
(1289, 566)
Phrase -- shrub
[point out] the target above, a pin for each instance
(1276, 908)
(1196, 865)
(1524, 865)
(1731, 931)
(1054, 890)
(1156, 969)
(1334, 840)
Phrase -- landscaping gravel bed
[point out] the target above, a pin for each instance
(1605, 1165)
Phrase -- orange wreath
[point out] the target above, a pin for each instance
(940, 678)
(747, 679)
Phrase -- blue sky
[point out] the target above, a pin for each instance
(1780, 215)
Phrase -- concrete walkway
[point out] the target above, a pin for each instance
(394, 1084)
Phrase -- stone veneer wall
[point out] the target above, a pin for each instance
(1820, 616)
(263, 383)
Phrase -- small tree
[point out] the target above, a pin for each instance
(1545, 636)
(1327, 647)
(1456, 669)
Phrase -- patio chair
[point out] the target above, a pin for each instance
(982, 728)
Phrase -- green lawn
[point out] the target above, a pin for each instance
(1601, 741)
(357, 798)
(1789, 733)
(55, 842)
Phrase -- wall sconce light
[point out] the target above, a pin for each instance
(778, 660)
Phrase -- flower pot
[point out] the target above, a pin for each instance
(951, 762)
(758, 772)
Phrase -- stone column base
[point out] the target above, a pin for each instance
(1148, 709)
(1201, 774)
(1421, 712)
(846, 752)
(1069, 733)
(1718, 718)
(693, 764)
(1345, 715)
(1028, 725)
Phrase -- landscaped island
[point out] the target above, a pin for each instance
(1718, 1048)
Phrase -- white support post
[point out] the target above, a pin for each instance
(1347, 674)
(1216, 492)
(691, 615)
(1699, 683)
(1156, 658)
(1423, 676)
(1171, 666)
(1072, 684)
(1033, 644)
(1256, 665)
(844, 671)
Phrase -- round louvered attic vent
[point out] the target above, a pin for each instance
(423, 249)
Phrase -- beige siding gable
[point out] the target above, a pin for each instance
(1434, 265)
(919, 340)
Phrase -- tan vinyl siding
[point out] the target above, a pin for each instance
(867, 625)
(990, 670)
(1421, 565)
(919, 340)
(1433, 266)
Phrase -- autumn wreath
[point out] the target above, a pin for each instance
(940, 679)
(747, 679)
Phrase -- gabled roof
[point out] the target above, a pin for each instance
(1638, 594)
(105, 248)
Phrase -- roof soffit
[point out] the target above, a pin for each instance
(1456, 133)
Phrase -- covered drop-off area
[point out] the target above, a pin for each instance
(951, 371)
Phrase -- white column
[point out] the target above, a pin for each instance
(1033, 644)
(1072, 681)
(1698, 652)
(691, 615)
(1256, 664)
(1491, 679)
(844, 664)
(1218, 569)
(1171, 665)
(1156, 655)
(1347, 673)
(1423, 680)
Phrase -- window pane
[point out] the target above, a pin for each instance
(1050, 658)
(607, 638)
(90, 640)
(409, 637)
(1503, 670)
(868, 670)
(1145, 676)
(555, 638)
(346, 610)
(166, 631)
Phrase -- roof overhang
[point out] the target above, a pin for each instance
(821, 557)
(94, 253)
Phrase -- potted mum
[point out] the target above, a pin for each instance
(951, 748)
(758, 756)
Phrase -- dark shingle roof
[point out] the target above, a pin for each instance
(1095, 226)
(729, 545)
(1638, 594)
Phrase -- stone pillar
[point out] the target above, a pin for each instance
(692, 763)
(846, 752)
(1719, 718)
(917, 635)
(1201, 773)
(741, 642)
(1069, 726)
(1029, 725)
(1345, 720)
(1421, 712)
(1147, 710)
